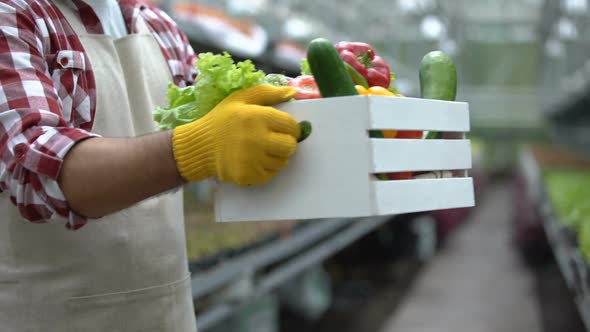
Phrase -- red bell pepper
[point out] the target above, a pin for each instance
(362, 58)
(306, 87)
(415, 134)
(400, 176)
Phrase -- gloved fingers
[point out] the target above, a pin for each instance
(280, 145)
(261, 179)
(272, 164)
(282, 122)
(264, 94)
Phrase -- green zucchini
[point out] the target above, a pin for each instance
(329, 70)
(438, 80)
(305, 130)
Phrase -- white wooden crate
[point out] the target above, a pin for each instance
(331, 174)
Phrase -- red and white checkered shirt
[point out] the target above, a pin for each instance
(48, 97)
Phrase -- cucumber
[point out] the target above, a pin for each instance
(305, 130)
(438, 80)
(329, 70)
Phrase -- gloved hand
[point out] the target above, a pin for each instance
(242, 140)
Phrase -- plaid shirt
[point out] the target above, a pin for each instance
(48, 97)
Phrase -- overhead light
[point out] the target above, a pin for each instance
(566, 29)
(554, 48)
(408, 6)
(416, 6)
(297, 28)
(432, 27)
(574, 7)
(246, 7)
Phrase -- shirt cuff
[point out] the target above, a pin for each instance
(44, 157)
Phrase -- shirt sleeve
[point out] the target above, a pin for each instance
(34, 135)
(189, 57)
(179, 48)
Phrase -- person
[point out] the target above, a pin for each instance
(79, 80)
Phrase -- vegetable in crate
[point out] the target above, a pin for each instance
(276, 79)
(413, 134)
(357, 78)
(305, 69)
(438, 80)
(328, 69)
(381, 91)
(306, 87)
(376, 91)
(362, 58)
(377, 133)
(330, 73)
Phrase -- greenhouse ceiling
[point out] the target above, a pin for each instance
(489, 39)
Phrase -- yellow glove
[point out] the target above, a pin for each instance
(242, 140)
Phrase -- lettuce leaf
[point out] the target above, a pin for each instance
(178, 96)
(218, 77)
(276, 79)
(392, 87)
(305, 68)
(169, 118)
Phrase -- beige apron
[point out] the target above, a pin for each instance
(126, 272)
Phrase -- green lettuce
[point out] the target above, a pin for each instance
(305, 68)
(276, 79)
(218, 77)
(392, 87)
(182, 108)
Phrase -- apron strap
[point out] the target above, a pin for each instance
(71, 15)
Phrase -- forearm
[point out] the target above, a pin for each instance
(100, 176)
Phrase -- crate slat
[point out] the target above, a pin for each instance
(400, 155)
(405, 196)
(418, 114)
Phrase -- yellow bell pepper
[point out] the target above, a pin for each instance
(375, 91)
(378, 91)
(361, 90)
